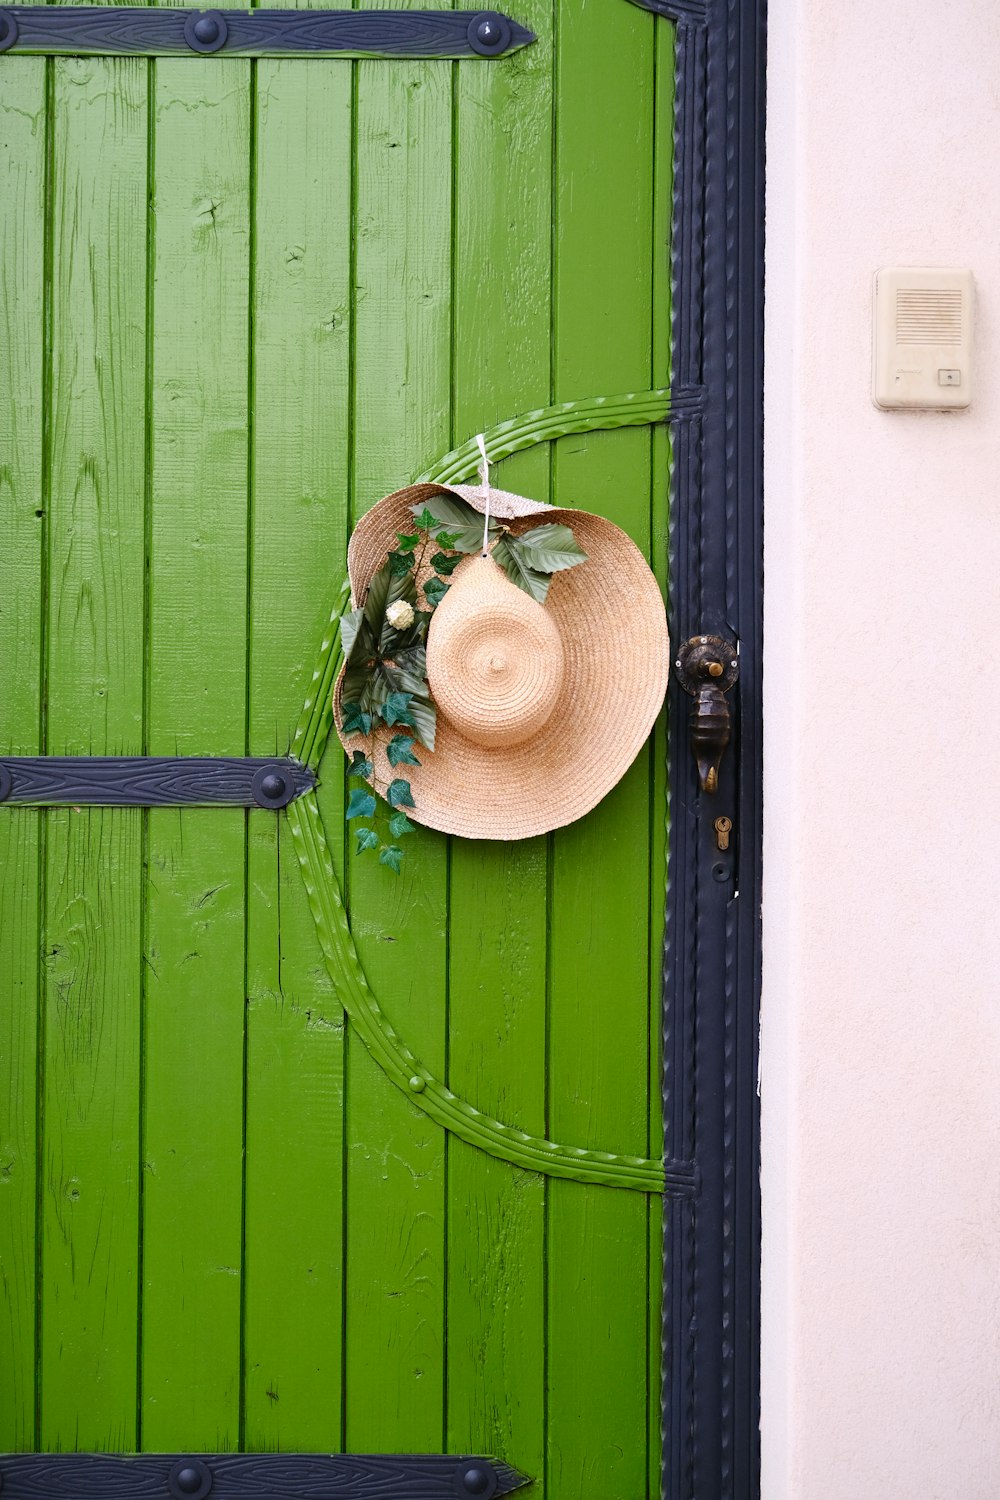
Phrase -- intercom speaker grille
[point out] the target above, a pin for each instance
(925, 316)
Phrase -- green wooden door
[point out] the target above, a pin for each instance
(241, 301)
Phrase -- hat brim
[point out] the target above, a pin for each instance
(610, 615)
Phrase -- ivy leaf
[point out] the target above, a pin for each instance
(400, 563)
(393, 857)
(508, 554)
(550, 548)
(366, 838)
(361, 804)
(423, 518)
(396, 709)
(356, 722)
(446, 539)
(360, 765)
(442, 563)
(398, 795)
(465, 525)
(435, 590)
(400, 751)
(399, 825)
(407, 542)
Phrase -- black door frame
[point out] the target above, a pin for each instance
(711, 975)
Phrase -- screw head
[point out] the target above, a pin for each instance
(272, 787)
(489, 34)
(206, 29)
(190, 1479)
(476, 1478)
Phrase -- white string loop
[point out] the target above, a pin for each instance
(485, 472)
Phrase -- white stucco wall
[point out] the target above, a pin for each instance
(881, 1000)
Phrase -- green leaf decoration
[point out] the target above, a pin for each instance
(376, 600)
(350, 629)
(465, 525)
(445, 539)
(516, 565)
(550, 548)
(361, 804)
(400, 751)
(393, 857)
(423, 518)
(399, 825)
(366, 838)
(424, 717)
(400, 586)
(410, 659)
(356, 722)
(442, 563)
(360, 765)
(396, 709)
(407, 542)
(435, 590)
(400, 563)
(398, 795)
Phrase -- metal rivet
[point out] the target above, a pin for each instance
(272, 787)
(476, 1478)
(8, 30)
(417, 1084)
(190, 1479)
(489, 34)
(206, 31)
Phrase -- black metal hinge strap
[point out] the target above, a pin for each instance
(255, 1476)
(151, 781)
(94, 30)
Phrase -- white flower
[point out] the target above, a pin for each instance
(400, 615)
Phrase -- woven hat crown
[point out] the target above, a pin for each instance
(495, 660)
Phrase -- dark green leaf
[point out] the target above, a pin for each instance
(435, 590)
(399, 794)
(406, 541)
(465, 525)
(550, 548)
(445, 539)
(360, 804)
(422, 517)
(400, 751)
(356, 722)
(360, 765)
(515, 564)
(400, 563)
(424, 719)
(395, 709)
(366, 838)
(350, 627)
(402, 586)
(393, 857)
(399, 824)
(411, 659)
(442, 563)
(376, 600)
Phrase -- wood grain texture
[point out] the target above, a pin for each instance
(22, 349)
(498, 893)
(598, 1312)
(402, 407)
(82, 30)
(195, 981)
(293, 1347)
(92, 960)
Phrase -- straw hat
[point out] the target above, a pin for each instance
(541, 708)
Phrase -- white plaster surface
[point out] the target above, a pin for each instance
(881, 999)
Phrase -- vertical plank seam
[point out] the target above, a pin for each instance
(43, 727)
(248, 606)
(144, 960)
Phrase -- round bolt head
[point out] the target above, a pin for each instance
(206, 29)
(8, 30)
(272, 787)
(475, 1477)
(190, 1479)
(489, 33)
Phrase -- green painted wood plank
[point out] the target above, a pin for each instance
(663, 162)
(394, 1373)
(92, 943)
(197, 705)
(301, 359)
(498, 923)
(22, 293)
(598, 1359)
